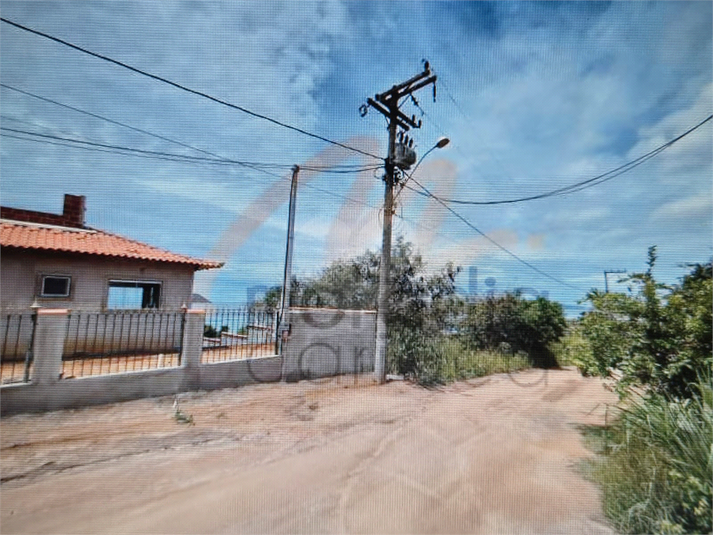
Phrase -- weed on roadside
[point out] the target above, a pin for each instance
(655, 464)
(180, 416)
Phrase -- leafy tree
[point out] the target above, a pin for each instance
(512, 324)
(421, 304)
(611, 330)
(659, 337)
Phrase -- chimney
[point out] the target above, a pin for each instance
(74, 208)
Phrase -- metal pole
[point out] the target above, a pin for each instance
(606, 280)
(382, 309)
(287, 280)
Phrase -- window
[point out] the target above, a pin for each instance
(55, 286)
(134, 294)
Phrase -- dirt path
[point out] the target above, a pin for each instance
(494, 455)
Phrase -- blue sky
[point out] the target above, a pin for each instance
(534, 96)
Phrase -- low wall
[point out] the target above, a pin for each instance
(320, 343)
(102, 389)
(325, 342)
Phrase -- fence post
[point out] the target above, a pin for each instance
(192, 343)
(50, 334)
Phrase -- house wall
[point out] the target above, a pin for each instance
(22, 271)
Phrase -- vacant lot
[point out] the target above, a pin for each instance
(493, 455)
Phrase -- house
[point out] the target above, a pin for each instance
(56, 261)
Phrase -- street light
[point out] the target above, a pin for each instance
(442, 142)
(384, 268)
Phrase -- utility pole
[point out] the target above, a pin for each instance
(606, 281)
(287, 280)
(387, 104)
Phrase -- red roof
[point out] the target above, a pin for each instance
(39, 237)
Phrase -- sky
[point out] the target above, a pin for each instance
(533, 96)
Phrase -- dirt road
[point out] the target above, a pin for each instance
(493, 455)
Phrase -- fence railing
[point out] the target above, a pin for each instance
(99, 343)
(238, 333)
(117, 341)
(17, 331)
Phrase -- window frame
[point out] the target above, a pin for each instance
(44, 277)
(135, 283)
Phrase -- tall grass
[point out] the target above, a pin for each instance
(458, 362)
(433, 360)
(656, 477)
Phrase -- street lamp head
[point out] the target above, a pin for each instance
(442, 142)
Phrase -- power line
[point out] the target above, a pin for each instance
(584, 184)
(468, 119)
(185, 88)
(107, 119)
(501, 247)
(443, 133)
(96, 149)
(176, 157)
(118, 149)
(170, 140)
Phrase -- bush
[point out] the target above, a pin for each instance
(513, 324)
(657, 476)
(433, 360)
(574, 349)
(659, 337)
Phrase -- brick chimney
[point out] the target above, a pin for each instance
(74, 208)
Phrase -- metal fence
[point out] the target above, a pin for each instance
(99, 343)
(238, 333)
(16, 358)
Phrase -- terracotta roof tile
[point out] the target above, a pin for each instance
(38, 237)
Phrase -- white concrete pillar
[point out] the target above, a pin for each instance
(50, 334)
(192, 346)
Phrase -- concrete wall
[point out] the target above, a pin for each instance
(321, 343)
(47, 391)
(324, 342)
(22, 274)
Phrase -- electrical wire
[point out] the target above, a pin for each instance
(491, 240)
(118, 149)
(95, 149)
(469, 120)
(582, 185)
(185, 88)
(347, 168)
(115, 149)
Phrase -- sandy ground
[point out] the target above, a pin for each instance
(493, 455)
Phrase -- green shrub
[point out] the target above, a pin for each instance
(441, 359)
(511, 323)
(659, 337)
(574, 349)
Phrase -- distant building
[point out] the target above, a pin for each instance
(56, 261)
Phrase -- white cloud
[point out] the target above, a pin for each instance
(698, 206)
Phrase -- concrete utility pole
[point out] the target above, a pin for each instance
(606, 281)
(387, 104)
(287, 280)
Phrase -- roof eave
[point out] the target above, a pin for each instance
(195, 263)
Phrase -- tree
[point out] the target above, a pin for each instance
(420, 304)
(659, 337)
(510, 323)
